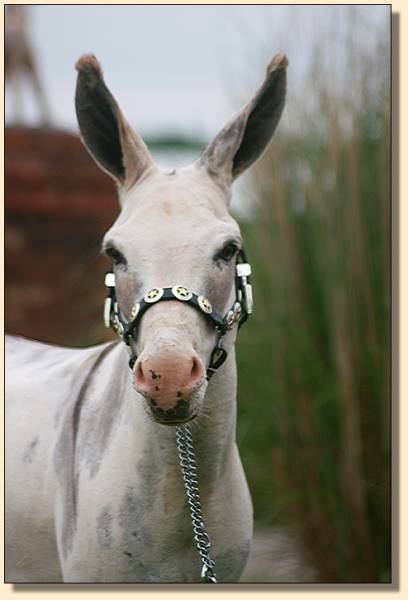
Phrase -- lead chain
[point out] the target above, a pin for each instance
(189, 472)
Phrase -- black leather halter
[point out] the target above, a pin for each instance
(238, 313)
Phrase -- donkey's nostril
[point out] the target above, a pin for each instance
(197, 369)
(139, 374)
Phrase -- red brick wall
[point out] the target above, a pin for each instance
(58, 205)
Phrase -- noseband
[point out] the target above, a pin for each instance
(238, 313)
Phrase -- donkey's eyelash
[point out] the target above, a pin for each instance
(115, 255)
(227, 252)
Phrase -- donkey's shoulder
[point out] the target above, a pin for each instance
(30, 364)
(25, 352)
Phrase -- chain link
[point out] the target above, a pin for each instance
(189, 472)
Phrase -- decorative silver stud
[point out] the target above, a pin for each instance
(237, 311)
(181, 293)
(134, 311)
(204, 304)
(154, 295)
(230, 319)
(118, 327)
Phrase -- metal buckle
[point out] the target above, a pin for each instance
(218, 357)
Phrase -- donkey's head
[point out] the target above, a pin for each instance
(174, 229)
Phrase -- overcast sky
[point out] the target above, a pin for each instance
(184, 69)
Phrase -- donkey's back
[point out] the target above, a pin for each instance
(41, 382)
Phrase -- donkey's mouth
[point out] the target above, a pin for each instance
(176, 422)
(174, 416)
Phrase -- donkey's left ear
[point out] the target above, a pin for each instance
(244, 139)
(113, 144)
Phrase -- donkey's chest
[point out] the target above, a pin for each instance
(143, 532)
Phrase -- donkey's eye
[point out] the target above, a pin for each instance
(116, 256)
(227, 253)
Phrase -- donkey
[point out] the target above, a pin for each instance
(94, 489)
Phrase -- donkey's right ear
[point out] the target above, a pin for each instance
(113, 144)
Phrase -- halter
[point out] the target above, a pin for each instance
(238, 313)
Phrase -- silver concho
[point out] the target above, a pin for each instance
(134, 311)
(204, 304)
(230, 319)
(118, 327)
(237, 311)
(181, 293)
(154, 295)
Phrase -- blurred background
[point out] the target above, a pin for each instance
(314, 360)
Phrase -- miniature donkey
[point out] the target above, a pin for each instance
(94, 489)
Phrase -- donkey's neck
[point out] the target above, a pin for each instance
(134, 461)
(213, 430)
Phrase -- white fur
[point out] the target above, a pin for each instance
(94, 489)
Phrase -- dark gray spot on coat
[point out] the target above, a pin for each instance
(29, 451)
(132, 516)
(135, 510)
(218, 289)
(65, 457)
(104, 527)
(98, 428)
(230, 565)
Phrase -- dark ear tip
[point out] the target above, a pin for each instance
(88, 62)
(279, 61)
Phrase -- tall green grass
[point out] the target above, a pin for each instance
(314, 364)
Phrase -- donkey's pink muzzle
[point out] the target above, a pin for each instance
(168, 383)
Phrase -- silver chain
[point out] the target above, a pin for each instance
(189, 472)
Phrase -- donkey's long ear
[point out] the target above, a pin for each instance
(114, 145)
(246, 136)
